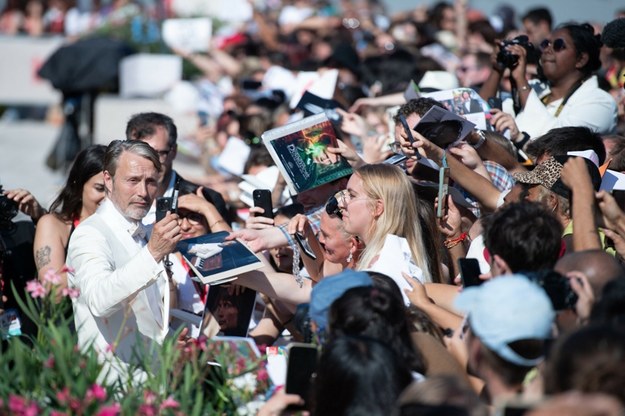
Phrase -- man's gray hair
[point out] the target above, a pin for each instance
(139, 148)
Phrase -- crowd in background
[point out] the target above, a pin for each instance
(545, 325)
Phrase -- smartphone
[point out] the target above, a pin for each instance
(470, 272)
(494, 102)
(301, 367)
(262, 198)
(406, 128)
(396, 159)
(303, 243)
(443, 191)
(251, 85)
(166, 204)
(163, 206)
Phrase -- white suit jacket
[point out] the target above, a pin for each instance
(121, 288)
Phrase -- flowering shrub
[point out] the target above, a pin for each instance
(48, 374)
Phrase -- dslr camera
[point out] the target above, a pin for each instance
(506, 59)
(558, 288)
(8, 208)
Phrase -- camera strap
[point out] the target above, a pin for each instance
(568, 95)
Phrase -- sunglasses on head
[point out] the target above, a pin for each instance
(332, 207)
(557, 44)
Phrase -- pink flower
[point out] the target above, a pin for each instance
(49, 363)
(96, 392)
(169, 403)
(149, 397)
(67, 269)
(55, 413)
(147, 410)
(17, 404)
(112, 410)
(71, 292)
(63, 395)
(31, 410)
(36, 289)
(262, 374)
(52, 277)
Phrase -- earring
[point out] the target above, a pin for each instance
(350, 257)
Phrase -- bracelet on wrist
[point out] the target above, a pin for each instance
(215, 223)
(481, 140)
(453, 242)
(525, 87)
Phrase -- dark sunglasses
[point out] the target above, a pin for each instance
(557, 44)
(332, 207)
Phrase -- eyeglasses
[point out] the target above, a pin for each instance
(557, 44)
(194, 218)
(162, 154)
(467, 68)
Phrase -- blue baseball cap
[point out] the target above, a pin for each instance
(330, 289)
(507, 309)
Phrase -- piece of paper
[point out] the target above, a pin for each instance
(587, 154)
(189, 35)
(612, 181)
(394, 259)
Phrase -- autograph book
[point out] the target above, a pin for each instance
(214, 260)
(299, 149)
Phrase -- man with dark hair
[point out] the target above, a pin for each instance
(561, 140)
(119, 271)
(537, 23)
(160, 132)
(522, 237)
(474, 70)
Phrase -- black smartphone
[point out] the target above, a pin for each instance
(262, 198)
(406, 128)
(301, 367)
(303, 243)
(251, 84)
(469, 272)
(166, 204)
(396, 159)
(163, 206)
(494, 102)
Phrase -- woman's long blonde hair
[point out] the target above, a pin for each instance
(389, 184)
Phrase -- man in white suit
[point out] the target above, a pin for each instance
(123, 301)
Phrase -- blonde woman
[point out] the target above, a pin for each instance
(379, 200)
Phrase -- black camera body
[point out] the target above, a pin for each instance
(505, 58)
(558, 288)
(8, 208)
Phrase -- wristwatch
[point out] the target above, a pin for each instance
(481, 140)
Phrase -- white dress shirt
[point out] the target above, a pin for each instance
(589, 106)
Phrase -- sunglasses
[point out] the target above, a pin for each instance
(332, 207)
(557, 44)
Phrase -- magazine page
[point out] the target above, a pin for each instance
(442, 127)
(232, 309)
(214, 260)
(299, 151)
(395, 258)
(189, 35)
(464, 102)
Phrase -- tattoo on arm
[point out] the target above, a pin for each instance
(42, 257)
